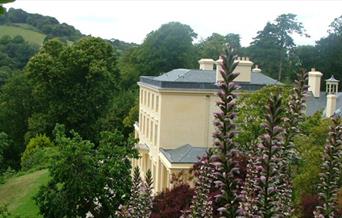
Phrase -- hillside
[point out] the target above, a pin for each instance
(17, 193)
(30, 35)
(46, 25)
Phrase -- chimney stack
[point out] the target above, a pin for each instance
(244, 68)
(218, 63)
(331, 90)
(315, 82)
(206, 64)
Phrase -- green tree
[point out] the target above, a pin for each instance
(273, 47)
(234, 40)
(38, 153)
(2, 9)
(164, 49)
(251, 112)
(5, 144)
(72, 85)
(329, 51)
(14, 54)
(211, 47)
(85, 179)
(14, 112)
(308, 56)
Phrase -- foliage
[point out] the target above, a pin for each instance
(202, 201)
(135, 207)
(122, 46)
(121, 113)
(4, 211)
(250, 114)
(4, 146)
(294, 116)
(39, 159)
(87, 180)
(309, 146)
(164, 49)
(38, 142)
(211, 47)
(328, 50)
(133, 115)
(45, 24)
(140, 202)
(171, 202)
(308, 204)
(2, 9)
(81, 84)
(273, 47)
(39, 153)
(330, 172)
(14, 54)
(267, 165)
(308, 56)
(324, 55)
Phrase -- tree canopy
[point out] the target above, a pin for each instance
(72, 85)
(272, 48)
(87, 180)
(164, 49)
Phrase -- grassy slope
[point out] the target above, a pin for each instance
(17, 193)
(28, 34)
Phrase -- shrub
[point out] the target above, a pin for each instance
(171, 203)
(38, 152)
(308, 204)
(40, 158)
(4, 211)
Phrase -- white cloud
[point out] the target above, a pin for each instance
(132, 20)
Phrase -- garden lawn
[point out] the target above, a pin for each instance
(18, 191)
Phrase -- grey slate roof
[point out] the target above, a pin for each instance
(184, 154)
(202, 79)
(314, 104)
(208, 76)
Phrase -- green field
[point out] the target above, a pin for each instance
(24, 30)
(17, 193)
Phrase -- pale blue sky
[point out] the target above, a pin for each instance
(132, 20)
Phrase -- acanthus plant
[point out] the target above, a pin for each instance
(202, 202)
(225, 157)
(140, 202)
(250, 194)
(262, 195)
(294, 116)
(331, 169)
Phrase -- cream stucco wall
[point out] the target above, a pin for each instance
(177, 117)
(185, 119)
(169, 119)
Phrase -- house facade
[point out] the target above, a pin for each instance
(176, 114)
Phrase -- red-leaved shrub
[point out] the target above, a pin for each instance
(308, 204)
(171, 203)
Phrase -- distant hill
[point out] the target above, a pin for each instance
(30, 35)
(45, 25)
(23, 33)
(122, 46)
